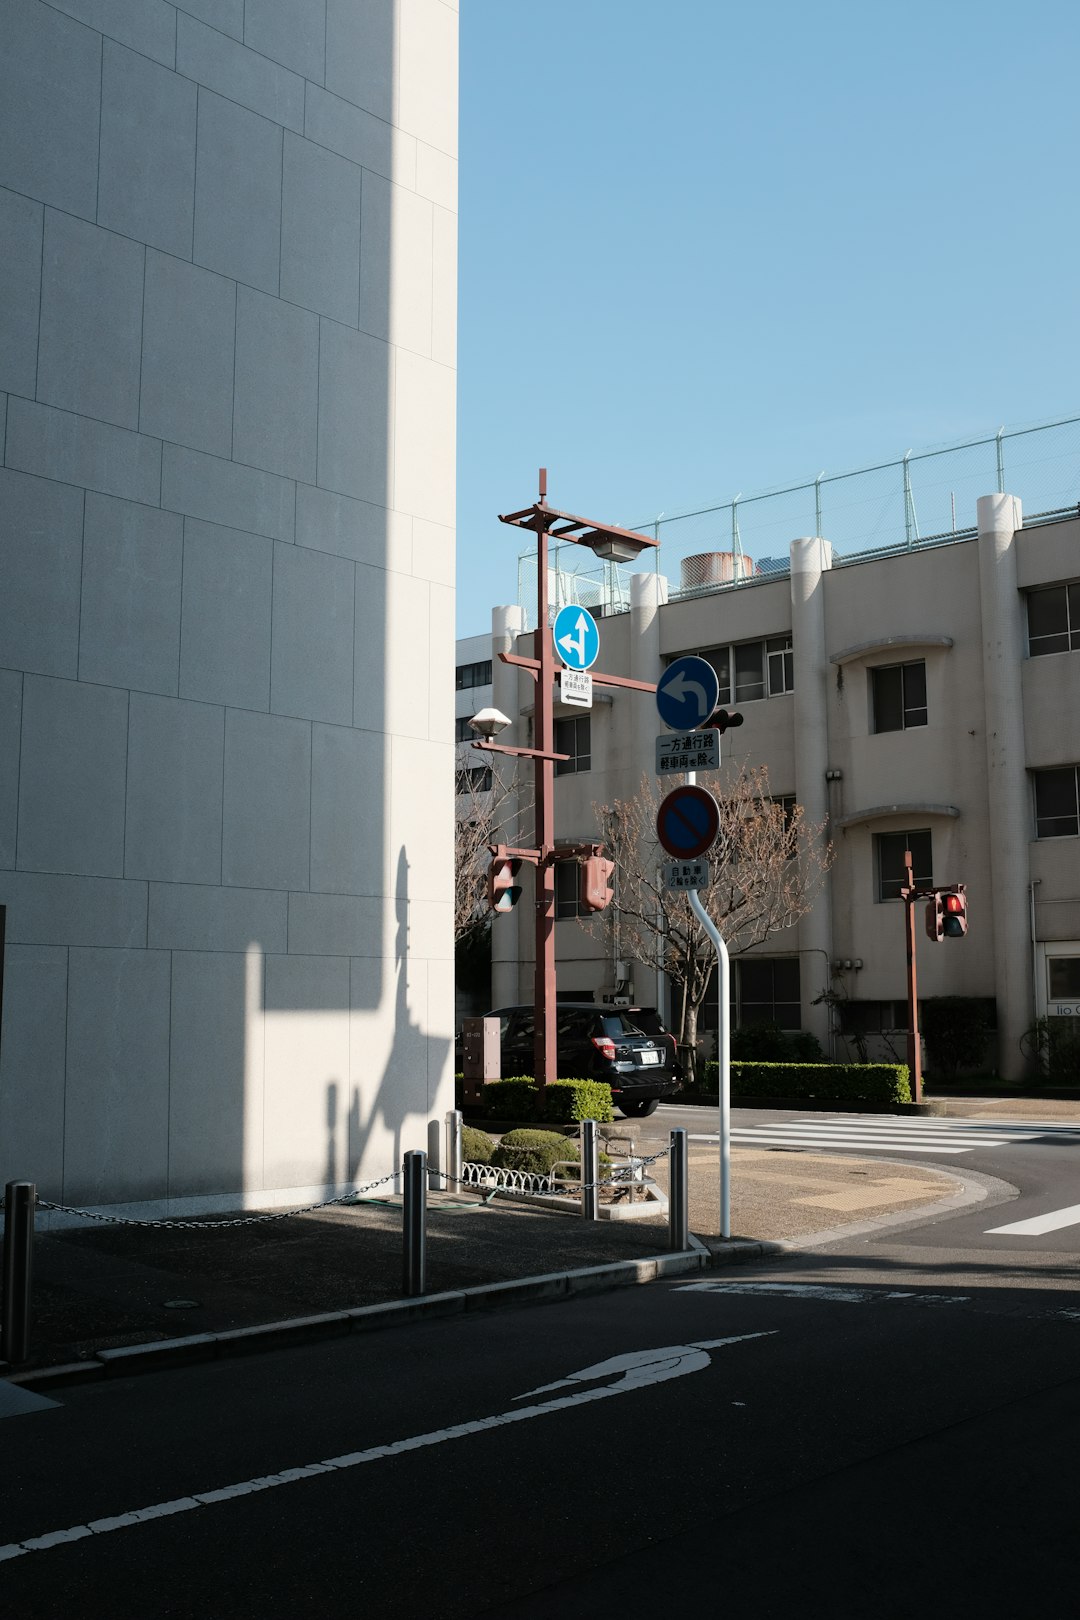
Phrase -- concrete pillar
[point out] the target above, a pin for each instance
(507, 623)
(1009, 803)
(648, 594)
(810, 557)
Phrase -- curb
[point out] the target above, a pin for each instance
(199, 1348)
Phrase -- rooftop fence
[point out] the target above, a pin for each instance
(923, 498)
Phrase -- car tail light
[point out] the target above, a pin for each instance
(605, 1046)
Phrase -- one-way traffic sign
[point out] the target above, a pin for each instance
(687, 693)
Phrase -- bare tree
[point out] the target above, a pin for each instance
(768, 864)
(488, 810)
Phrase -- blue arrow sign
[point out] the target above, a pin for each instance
(577, 640)
(687, 693)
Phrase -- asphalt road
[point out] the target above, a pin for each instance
(891, 1425)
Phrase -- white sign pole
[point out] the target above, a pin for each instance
(723, 1049)
(723, 1052)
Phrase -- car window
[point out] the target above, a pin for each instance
(520, 1030)
(573, 1025)
(617, 1025)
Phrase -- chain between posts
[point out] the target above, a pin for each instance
(617, 1177)
(217, 1226)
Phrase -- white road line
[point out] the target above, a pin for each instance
(857, 1133)
(854, 1295)
(638, 1368)
(1053, 1222)
(865, 1147)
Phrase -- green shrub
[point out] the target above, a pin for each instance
(1053, 1044)
(768, 1043)
(564, 1101)
(476, 1146)
(535, 1151)
(957, 1031)
(828, 1082)
(509, 1099)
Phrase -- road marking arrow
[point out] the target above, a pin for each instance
(637, 1369)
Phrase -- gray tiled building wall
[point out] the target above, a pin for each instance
(227, 351)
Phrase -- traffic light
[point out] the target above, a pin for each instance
(954, 902)
(723, 718)
(946, 913)
(502, 892)
(595, 892)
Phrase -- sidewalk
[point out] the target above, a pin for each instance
(101, 1291)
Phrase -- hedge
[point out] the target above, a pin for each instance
(564, 1102)
(476, 1146)
(829, 1082)
(539, 1152)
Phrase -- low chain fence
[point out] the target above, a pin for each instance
(21, 1204)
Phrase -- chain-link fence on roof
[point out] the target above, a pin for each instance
(921, 498)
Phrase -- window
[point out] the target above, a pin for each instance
(467, 675)
(899, 694)
(568, 890)
(1063, 977)
(890, 861)
(751, 662)
(1057, 810)
(872, 1017)
(573, 737)
(1054, 620)
(781, 660)
(768, 991)
(462, 730)
(474, 779)
(764, 989)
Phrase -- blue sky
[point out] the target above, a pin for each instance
(709, 248)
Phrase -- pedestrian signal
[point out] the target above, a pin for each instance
(502, 892)
(954, 902)
(596, 892)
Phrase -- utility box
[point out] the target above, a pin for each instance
(480, 1055)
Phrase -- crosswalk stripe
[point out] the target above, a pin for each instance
(1036, 1225)
(898, 1134)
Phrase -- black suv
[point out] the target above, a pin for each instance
(596, 1043)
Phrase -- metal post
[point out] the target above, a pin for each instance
(679, 1193)
(914, 1045)
(436, 1173)
(723, 1052)
(413, 1224)
(590, 1170)
(544, 791)
(454, 1156)
(20, 1198)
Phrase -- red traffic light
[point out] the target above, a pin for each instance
(595, 893)
(954, 903)
(502, 892)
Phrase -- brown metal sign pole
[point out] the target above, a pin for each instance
(544, 1061)
(914, 1054)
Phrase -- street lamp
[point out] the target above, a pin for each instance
(613, 545)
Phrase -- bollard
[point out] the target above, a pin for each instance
(19, 1200)
(454, 1155)
(679, 1193)
(413, 1224)
(590, 1171)
(436, 1174)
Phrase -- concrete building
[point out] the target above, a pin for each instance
(227, 382)
(925, 697)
